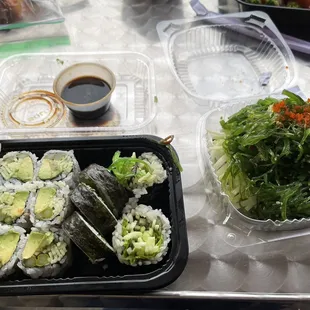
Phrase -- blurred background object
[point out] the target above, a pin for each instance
(23, 13)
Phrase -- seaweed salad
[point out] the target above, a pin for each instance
(262, 158)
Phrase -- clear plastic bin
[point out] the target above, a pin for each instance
(210, 122)
(133, 103)
(222, 59)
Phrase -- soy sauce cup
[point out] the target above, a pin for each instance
(84, 107)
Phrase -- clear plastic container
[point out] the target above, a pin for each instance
(225, 58)
(133, 103)
(210, 122)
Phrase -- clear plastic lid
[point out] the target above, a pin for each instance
(29, 109)
(224, 58)
(210, 126)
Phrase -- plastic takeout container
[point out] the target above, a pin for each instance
(298, 18)
(22, 116)
(225, 58)
(210, 122)
(82, 276)
(91, 110)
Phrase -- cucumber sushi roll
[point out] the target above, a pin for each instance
(50, 204)
(94, 246)
(17, 167)
(14, 204)
(46, 253)
(93, 208)
(138, 173)
(142, 236)
(58, 166)
(12, 240)
(113, 194)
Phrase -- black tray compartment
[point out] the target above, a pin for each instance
(290, 21)
(84, 277)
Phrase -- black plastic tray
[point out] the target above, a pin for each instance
(84, 277)
(291, 21)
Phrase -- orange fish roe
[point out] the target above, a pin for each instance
(298, 113)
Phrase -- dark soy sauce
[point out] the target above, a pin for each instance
(85, 89)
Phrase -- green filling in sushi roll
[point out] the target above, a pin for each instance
(142, 239)
(137, 174)
(12, 206)
(142, 236)
(54, 165)
(8, 244)
(41, 250)
(18, 167)
(130, 169)
(48, 205)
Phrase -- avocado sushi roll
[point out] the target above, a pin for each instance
(12, 240)
(113, 194)
(14, 204)
(93, 208)
(17, 167)
(50, 204)
(142, 236)
(94, 246)
(58, 166)
(46, 253)
(138, 173)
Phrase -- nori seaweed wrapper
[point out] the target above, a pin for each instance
(107, 187)
(87, 238)
(93, 208)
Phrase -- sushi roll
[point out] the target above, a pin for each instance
(17, 167)
(113, 194)
(137, 174)
(46, 253)
(93, 208)
(142, 236)
(14, 204)
(12, 240)
(50, 204)
(58, 166)
(94, 246)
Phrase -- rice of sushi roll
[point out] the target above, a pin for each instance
(12, 240)
(91, 205)
(141, 236)
(14, 204)
(17, 167)
(138, 173)
(94, 246)
(113, 194)
(46, 254)
(50, 204)
(58, 166)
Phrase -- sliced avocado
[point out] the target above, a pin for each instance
(42, 260)
(43, 208)
(36, 242)
(8, 244)
(30, 262)
(20, 168)
(53, 167)
(14, 206)
(6, 198)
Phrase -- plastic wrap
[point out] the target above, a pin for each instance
(23, 13)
